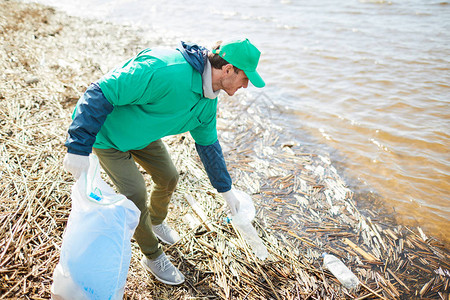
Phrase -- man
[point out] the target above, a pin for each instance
(159, 92)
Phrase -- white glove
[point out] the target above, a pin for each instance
(232, 200)
(76, 164)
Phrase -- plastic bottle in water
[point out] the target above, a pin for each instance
(242, 221)
(340, 271)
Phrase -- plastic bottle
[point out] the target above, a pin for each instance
(250, 235)
(242, 222)
(340, 271)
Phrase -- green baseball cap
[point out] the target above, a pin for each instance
(243, 55)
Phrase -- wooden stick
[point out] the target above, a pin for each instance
(363, 253)
(199, 212)
(398, 279)
(372, 291)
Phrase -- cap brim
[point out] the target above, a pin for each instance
(255, 79)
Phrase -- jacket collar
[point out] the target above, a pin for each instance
(202, 84)
(207, 82)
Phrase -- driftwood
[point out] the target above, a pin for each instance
(304, 206)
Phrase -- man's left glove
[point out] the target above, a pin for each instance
(232, 200)
(76, 164)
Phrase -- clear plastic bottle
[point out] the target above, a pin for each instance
(250, 235)
(242, 222)
(340, 271)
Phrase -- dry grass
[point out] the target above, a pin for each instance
(304, 207)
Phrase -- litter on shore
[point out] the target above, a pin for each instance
(303, 206)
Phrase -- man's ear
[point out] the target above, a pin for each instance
(227, 68)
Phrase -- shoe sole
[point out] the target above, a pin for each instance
(158, 278)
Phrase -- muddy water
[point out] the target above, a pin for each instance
(368, 79)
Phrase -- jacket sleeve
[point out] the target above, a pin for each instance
(214, 163)
(89, 116)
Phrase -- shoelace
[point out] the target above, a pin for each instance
(162, 263)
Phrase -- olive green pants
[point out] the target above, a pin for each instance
(124, 173)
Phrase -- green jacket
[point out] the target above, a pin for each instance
(155, 94)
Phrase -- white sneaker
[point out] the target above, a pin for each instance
(165, 233)
(163, 269)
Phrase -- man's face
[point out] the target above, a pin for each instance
(233, 81)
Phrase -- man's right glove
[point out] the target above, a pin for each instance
(232, 200)
(76, 164)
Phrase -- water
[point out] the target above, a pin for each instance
(369, 79)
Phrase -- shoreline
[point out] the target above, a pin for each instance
(49, 60)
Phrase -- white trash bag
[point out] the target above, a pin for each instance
(96, 247)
